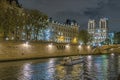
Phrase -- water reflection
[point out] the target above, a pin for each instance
(97, 67)
(50, 69)
(25, 72)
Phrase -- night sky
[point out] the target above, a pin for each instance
(80, 10)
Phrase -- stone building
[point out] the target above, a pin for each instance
(61, 33)
(100, 33)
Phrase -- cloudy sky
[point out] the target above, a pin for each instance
(80, 10)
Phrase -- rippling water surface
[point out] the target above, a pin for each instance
(93, 67)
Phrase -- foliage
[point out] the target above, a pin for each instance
(84, 36)
(117, 37)
(14, 20)
(107, 41)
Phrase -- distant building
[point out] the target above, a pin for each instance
(61, 33)
(100, 33)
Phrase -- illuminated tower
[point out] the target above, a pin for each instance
(100, 33)
(103, 23)
(91, 26)
(103, 26)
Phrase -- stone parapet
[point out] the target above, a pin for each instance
(17, 50)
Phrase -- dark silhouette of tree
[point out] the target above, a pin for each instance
(84, 36)
(15, 20)
(117, 37)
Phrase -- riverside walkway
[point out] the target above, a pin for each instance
(19, 51)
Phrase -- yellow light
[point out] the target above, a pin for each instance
(74, 40)
(61, 38)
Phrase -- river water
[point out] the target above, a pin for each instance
(93, 67)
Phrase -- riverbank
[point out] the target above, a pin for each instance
(20, 50)
(43, 57)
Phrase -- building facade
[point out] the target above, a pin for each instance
(61, 33)
(100, 33)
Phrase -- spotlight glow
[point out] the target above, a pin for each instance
(79, 46)
(26, 44)
(88, 47)
(67, 46)
(89, 57)
(50, 45)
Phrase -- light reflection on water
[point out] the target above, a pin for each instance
(26, 72)
(97, 67)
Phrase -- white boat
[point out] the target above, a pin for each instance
(68, 61)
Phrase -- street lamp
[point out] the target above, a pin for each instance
(26, 44)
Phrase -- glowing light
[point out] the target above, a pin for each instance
(51, 61)
(81, 43)
(61, 38)
(112, 54)
(67, 46)
(89, 57)
(88, 47)
(50, 69)
(50, 45)
(7, 38)
(74, 40)
(25, 71)
(79, 46)
(26, 44)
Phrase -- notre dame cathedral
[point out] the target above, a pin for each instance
(100, 33)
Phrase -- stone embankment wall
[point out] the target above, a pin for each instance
(15, 50)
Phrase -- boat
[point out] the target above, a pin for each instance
(69, 61)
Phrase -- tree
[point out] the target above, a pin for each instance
(117, 37)
(15, 20)
(10, 19)
(84, 37)
(36, 21)
(107, 41)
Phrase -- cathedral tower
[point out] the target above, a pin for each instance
(91, 26)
